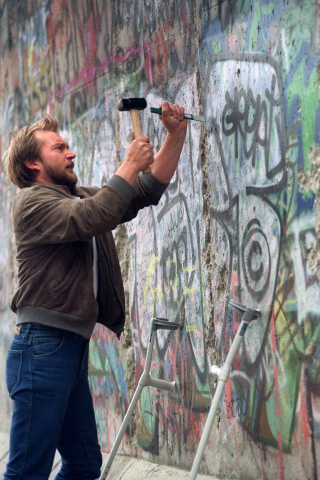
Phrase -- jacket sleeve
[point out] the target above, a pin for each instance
(147, 191)
(50, 215)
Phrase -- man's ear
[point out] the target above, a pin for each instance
(33, 164)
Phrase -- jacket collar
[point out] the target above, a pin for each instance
(79, 191)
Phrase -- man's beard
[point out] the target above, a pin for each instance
(61, 178)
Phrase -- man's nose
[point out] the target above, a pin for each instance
(71, 154)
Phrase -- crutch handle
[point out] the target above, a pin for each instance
(163, 324)
(162, 384)
(241, 309)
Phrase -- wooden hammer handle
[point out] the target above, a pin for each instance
(137, 130)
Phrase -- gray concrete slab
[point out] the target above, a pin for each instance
(123, 468)
(128, 468)
(4, 452)
(4, 445)
(56, 466)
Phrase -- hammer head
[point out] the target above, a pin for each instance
(126, 104)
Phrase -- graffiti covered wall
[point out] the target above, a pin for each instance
(239, 219)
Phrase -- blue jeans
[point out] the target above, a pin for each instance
(47, 378)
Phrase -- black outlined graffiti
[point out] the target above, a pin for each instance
(247, 148)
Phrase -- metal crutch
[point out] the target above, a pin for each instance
(145, 381)
(247, 314)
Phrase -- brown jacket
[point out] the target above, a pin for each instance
(53, 233)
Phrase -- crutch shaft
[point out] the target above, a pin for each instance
(130, 410)
(145, 380)
(223, 377)
(121, 432)
(207, 429)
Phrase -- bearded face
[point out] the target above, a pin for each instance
(55, 162)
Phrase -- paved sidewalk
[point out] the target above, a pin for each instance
(4, 450)
(127, 468)
(123, 468)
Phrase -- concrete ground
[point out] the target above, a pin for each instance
(4, 448)
(123, 468)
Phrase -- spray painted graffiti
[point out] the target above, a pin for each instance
(167, 282)
(255, 160)
(247, 153)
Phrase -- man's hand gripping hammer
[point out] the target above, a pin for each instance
(133, 105)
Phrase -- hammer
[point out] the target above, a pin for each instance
(133, 105)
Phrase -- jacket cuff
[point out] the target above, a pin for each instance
(152, 184)
(122, 186)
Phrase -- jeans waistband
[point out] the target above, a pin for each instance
(24, 329)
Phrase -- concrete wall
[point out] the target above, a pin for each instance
(240, 218)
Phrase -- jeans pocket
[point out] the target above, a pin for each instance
(13, 370)
(47, 345)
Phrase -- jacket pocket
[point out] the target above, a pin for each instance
(68, 274)
(13, 370)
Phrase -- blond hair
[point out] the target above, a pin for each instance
(25, 146)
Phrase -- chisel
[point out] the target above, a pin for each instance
(188, 116)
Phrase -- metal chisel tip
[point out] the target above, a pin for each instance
(188, 116)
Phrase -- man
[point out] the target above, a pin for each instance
(69, 278)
